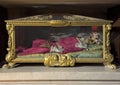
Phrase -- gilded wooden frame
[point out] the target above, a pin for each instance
(12, 59)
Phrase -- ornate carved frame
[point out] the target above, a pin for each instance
(48, 60)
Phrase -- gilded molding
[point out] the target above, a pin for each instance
(59, 23)
(11, 48)
(108, 57)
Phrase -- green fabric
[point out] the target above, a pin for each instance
(88, 54)
(93, 51)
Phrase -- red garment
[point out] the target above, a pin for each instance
(68, 44)
(38, 46)
(39, 43)
(20, 49)
(34, 51)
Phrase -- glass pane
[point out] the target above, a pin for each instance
(36, 39)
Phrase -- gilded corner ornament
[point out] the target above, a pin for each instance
(11, 48)
(108, 57)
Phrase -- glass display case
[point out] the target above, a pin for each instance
(58, 40)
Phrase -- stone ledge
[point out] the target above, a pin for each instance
(62, 83)
(41, 73)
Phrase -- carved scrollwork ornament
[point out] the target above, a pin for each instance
(107, 61)
(108, 56)
(59, 23)
(11, 49)
(59, 60)
(9, 65)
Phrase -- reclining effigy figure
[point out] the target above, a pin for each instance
(63, 45)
